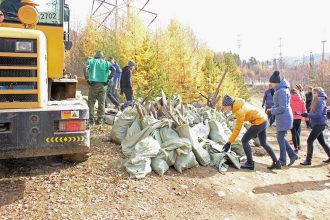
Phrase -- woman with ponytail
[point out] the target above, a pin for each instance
(318, 121)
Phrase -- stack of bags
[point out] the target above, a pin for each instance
(159, 140)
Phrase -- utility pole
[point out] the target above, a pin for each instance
(128, 5)
(239, 48)
(323, 42)
(116, 17)
(311, 60)
(280, 58)
(322, 63)
(238, 42)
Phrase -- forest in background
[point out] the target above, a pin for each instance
(172, 59)
(176, 61)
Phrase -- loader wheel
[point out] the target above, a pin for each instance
(76, 158)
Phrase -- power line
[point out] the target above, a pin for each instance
(105, 8)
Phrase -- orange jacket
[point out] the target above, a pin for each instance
(244, 111)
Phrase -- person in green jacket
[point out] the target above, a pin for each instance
(97, 78)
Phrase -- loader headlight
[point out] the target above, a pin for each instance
(24, 46)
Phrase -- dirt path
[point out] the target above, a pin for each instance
(46, 188)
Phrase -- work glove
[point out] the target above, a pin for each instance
(305, 115)
(226, 147)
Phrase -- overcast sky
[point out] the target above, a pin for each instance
(302, 24)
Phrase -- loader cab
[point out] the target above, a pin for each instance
(53, 13)
(67, 42)
(53, 19)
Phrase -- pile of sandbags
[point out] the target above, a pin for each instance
(164, 133)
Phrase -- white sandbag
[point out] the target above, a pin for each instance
(185, 161)
(121, 125)
(157, 137)
(201, 130)
(128, 144)
(217, 133)
(147, 121)
(135, 128)
(111, 119)
(200, 153)
(167, 133)
(139, 169)
(171, 157)
(159, 166)
(162, 162)
(179, 145)
(138, 165)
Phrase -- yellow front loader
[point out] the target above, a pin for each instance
(39, 112)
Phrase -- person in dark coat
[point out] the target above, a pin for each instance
(126, 85)
(318, 121)
(309, 98)
(268, 103)
(283, 116)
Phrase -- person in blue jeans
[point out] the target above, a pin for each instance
(283, 116)
(318, 122)
(268, 103)
(112, 92)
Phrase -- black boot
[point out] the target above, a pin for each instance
(248, 166)
(308, 160)
(327, 151)
(326, 161)
(276, 165)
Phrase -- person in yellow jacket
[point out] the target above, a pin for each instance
(243, 112)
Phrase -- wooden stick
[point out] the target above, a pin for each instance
(164, 98)
(140, 112)
(147, 96)
(215, 104)
(216, 94)
(180, 117)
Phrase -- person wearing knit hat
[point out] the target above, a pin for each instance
(227, 101)
(301, 92)
(97, 76)
(243, 112)
(276, 77)
(126, 84)
(283, 115)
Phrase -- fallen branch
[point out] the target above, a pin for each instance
(216, 97)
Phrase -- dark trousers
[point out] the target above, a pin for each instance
(316, 133)
(261, 132)
(112, 98)
(129, 97)
(295, 131)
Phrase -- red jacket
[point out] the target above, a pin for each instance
(297, 106)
